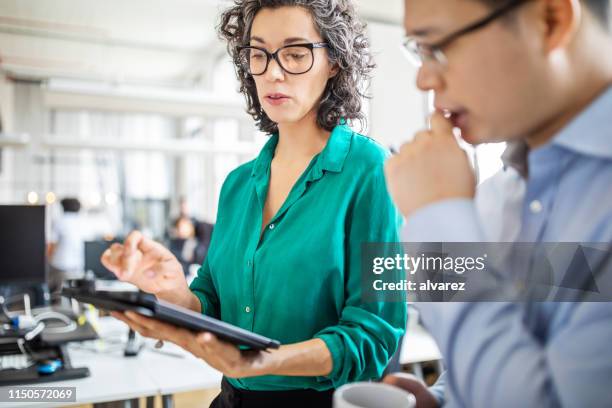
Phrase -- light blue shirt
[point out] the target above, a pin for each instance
(537, 354)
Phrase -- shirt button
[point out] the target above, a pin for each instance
(247, 309)
(271, 226)
(535, 206)
(249, 263)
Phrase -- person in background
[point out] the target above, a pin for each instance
(183, 215)
(183, 241)
(537, 75)
(66, 251)
(203, 233)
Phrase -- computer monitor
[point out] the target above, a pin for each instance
(22, 245)
(93, 253)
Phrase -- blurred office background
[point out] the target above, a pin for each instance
(131, 106)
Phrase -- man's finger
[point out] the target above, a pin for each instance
(441, 125)
(422, 135)
(405, 381)
(412, 384)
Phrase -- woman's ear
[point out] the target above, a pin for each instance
(334, 71)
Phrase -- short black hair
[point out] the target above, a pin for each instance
(71, 204)
(599, 8)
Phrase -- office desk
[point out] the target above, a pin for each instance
(115, 377)
(181, 373)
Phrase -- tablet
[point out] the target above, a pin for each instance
(148, 305)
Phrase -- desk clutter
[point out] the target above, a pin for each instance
(32, 345)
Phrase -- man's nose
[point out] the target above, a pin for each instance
(429, 77)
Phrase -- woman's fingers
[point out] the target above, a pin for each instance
(208, 340)
(111, 258)
(218, 348)
(131, 255)
(154, 250)
(159, 330)
(144, 263)
(219, 354)
(143, 331)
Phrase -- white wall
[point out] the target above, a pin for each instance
(6, 115)
(397, 110)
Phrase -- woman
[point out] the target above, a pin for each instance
(284, 260)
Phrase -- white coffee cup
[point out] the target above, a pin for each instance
(372, 395)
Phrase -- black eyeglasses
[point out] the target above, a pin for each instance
(421, 53)
(294, 59)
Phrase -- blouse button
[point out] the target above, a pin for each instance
(247, 309)
(535, 206)
(271, 226)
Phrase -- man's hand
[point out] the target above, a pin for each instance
(429, 169)
(412, 384)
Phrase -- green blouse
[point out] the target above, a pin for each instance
(302, 279)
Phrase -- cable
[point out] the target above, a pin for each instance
(12, 299)
(21, 343)
(34, 332)
(69, 327)
(70, 324)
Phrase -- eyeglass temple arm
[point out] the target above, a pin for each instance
(479, 24)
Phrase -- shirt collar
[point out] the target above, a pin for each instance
(589, 134)
(265, 156)
(331, 158)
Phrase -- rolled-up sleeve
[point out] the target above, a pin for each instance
(202, 286)
(368, 333)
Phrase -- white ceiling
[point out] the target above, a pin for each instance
(141, 41)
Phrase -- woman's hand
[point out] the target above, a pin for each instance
(151, 267)
(220, 355)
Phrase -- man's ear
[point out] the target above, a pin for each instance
(561, 20)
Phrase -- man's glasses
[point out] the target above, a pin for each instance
(418, 54)
(294, 59)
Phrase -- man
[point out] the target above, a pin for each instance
(536, 74)
(67, 245)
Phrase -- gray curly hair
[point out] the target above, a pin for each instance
(348, 47)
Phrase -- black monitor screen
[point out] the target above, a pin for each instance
(22, 244)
